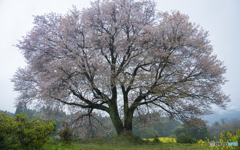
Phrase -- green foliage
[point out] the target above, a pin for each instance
(59, 116)
(21, 108)
(65, 132)
(23, 133)
(6, 126)
(46, 114)
(163, 127)
(182, 138)
(156, 139)
(195, 132)
(166, 127)
(225, 134)
(178, 130)
(148, 133)
(238, 140)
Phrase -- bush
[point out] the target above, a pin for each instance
(65, 132)
(6, 127)
(238, 140)
(156, 139)
(23, 133)
(182, 138)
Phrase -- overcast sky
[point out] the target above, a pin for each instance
(220, 17)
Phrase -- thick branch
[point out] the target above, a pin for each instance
(91, 104)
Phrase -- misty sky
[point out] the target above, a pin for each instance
(220, 17)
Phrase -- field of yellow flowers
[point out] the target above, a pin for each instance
(164, 140)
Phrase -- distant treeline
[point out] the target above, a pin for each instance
(230, 126)
(101, 126)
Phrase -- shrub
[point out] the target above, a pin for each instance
(23, 133)
(156, 139)
(182, 138)
(65, 132)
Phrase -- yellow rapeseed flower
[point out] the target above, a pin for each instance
(164, 139)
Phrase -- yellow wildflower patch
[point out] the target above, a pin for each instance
(164, 140)
(224, 137)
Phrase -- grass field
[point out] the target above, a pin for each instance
(104, 146)
(129, 142)
(120, 143)
(165, 146)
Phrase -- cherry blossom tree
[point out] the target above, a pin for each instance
(121, 57)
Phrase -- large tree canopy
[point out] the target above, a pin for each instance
(122, 57)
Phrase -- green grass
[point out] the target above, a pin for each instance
(126, 142)
(93, 146)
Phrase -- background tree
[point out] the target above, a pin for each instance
(163, 126)
(21, 108)
(121, 57)
(149, 133)
(230, 125)
(166, 127)
(197, 132)
(216, 123)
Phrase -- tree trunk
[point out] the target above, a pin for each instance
(128, 121)
(113, 112)
(117, 122)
